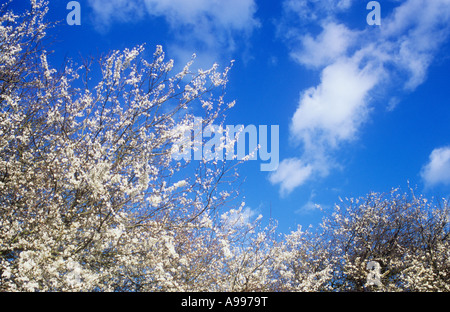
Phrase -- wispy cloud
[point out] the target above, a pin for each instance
(437, 170)
(205, 27)
(310, 206)
(108, 12)
(331, 44)
(353, 62)
(315, 10)
(333, 111)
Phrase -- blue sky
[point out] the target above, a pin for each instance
(360, 108)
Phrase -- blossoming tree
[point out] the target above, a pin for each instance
(91, 197)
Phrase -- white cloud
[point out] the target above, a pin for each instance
(107, 12)
(310, 206)
(392, 104)
(415, 37)
(331, 44)
(353, 63)
(207, 27)
(333, 111)
(310, 10)
(230, 14)
(291, 173)
(437, 170)
(327, 115)
(204, 27)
